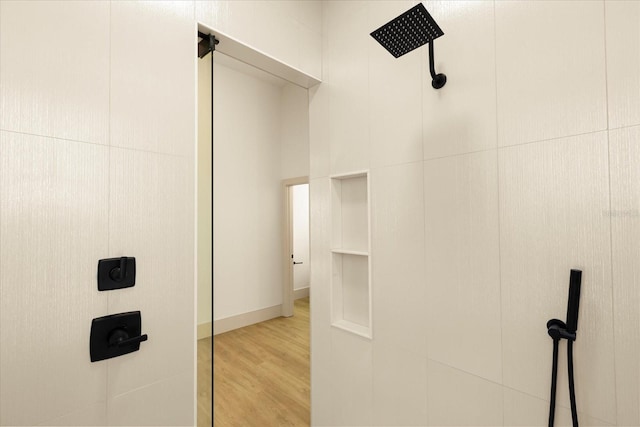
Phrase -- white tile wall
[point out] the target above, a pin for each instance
(461, 116)
(168, 403)
(625, 229)
(541, 81)
(397, 230)
(554, 208)
(151, 218)
(53, 78)
(54, 228)
(152, 76)
(462, 263)
(550, 64)
(395, 110)
(348, 42)
(399, 387)
(320, 259)
(623, 62)
(92, 415)
(351, 377)
(521, 409)
(456, 398)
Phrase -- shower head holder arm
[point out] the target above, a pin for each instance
(438, 80)
(557, 330)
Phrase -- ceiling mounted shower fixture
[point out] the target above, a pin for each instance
(409, 31)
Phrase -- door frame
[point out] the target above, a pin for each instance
(287, 244)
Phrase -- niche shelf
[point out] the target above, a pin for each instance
(350, 256)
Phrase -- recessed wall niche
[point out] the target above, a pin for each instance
(350, 253)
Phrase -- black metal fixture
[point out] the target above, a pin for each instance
(409, 31)
(207, 44)
(116, 273)
(115, 335)
(558, 330)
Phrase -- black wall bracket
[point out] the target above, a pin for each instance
(207, 44)
(115, 335)
(116, 273)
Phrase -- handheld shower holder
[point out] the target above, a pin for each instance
(559, 330)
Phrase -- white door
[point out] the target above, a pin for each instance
(300, 205)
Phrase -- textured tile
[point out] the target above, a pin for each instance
(92, 415)
(455, 398)
(462, 263)
(54, 57)
(235, 18)
(165, 403)
(278, 31)
(554, 216)
(395, 90)
(399, 387)
(397, 253)
(151, 218)
(309, 14)
(146, 112)
(352, 379)
(310, 51)
(348, 68)
(625, 229)
(546, 88)
(524, 410)
(54, 228)
(461, 116)
(623, 62)
(319, 247)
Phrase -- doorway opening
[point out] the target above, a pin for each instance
(252, 136)
(296, 255)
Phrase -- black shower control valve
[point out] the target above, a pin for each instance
(119, 337)
(116, 273)
(115, 335)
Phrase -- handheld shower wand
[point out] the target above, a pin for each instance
(557, 329)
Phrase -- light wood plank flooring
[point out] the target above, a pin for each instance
(261, 373)
(204, 382)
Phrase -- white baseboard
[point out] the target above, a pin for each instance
(204, 330)
(246, 319)
(300, 293)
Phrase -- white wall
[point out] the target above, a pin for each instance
(300, 206)
(251, 132)
(247, 207)
(96, 153)
(484, 195)
(294, 131)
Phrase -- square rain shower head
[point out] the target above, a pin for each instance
(407, 32)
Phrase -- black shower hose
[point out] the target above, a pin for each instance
(554, 380)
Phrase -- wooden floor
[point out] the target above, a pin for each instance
(204, 382)
(261, 373)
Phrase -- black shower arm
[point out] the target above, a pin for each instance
(437, 80)
(432, 68)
